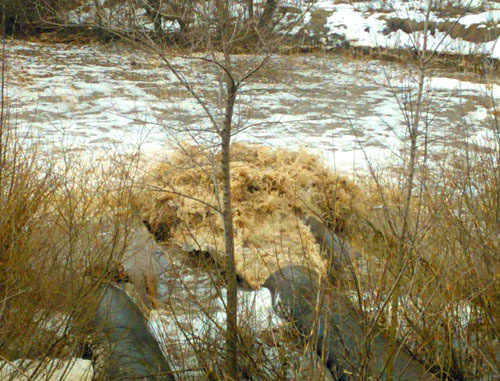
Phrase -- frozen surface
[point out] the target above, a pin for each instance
(255, 311)
(193, 317)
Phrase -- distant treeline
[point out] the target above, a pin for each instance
(28, 17)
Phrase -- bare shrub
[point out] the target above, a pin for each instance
(59, 220)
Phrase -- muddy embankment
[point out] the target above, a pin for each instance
(314, 35)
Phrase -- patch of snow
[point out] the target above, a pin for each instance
(52, 370)
(480, 18)
(351, 24)
(255, 312)
(363, 25)
(450, 84)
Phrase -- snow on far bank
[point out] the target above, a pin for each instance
(360, 23)
(365, 24)
(492, 16)
(442, 83)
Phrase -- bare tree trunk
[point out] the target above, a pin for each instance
(250, 9)
(98, 12)
(154, 13)
(268, 13)
(2, 95)
(413, 130)
(230, 92)
(223, 21)
(227, 215)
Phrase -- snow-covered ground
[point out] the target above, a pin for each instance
(365, 23)
(93, 98)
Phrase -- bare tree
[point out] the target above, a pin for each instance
(219, 28)
(413, 208)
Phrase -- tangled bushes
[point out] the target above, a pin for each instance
(56, 223)
(448, 284)
(27, 15)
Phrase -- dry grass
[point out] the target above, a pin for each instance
(52, 224)
(449, 315)
(56, 222)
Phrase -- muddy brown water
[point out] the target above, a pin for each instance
(90, 97)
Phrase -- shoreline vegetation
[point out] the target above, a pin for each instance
(437, 294)
(459, 63)
(392, 30)
(397, 261)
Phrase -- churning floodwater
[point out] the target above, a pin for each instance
(87, 98)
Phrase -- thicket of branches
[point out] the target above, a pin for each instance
(429, 243)
(59, 228)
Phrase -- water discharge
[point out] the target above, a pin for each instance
(90, 97)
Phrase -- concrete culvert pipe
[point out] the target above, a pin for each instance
(337, 251)
(330, 320)
(126, 348)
